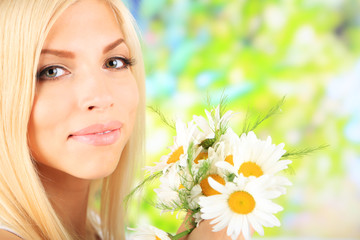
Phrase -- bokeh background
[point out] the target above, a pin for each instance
(256, 52)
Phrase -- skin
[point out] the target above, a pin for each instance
(204, 231)
(8, 236)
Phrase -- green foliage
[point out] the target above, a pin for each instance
(208, 142)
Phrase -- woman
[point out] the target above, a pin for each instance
(73, 81)
(72, 118)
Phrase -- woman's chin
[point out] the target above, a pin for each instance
(96, 171)
(93, 165)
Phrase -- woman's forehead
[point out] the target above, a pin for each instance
(84, 21)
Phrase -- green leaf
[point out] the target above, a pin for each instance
(141, 185)
(250, 126)
(168, 122)
(298, 153)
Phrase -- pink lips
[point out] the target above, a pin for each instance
(98, 134)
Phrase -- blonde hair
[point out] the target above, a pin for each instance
(24, 206)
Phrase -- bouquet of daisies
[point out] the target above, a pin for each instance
(214, 173)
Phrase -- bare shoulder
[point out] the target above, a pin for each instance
(5, 235)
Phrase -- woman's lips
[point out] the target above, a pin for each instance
(98, 134)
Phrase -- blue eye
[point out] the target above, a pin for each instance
(51, 73)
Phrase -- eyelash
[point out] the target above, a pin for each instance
(128, 62)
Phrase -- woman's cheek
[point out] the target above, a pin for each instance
(129, 101)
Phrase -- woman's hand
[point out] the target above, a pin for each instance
(204, 231)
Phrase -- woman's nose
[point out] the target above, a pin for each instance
(95, 94)
(99, 103)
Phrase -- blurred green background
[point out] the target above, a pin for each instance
(256, 52)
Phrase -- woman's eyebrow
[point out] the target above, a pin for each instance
(113, 45)
(59, 53)
(68, 54)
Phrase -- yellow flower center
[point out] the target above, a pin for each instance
(241, 202)
(250, 169)
(230, 159)
(175, 156)
(181, 186)
(201, 156)
(207, 189)
(157, 238)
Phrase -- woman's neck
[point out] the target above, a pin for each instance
(69, 197)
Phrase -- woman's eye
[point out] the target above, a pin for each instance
(119, 62)
(115, 63)
(51, 73)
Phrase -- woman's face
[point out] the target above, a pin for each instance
(86, 95)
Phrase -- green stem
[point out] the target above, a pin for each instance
(182, 234)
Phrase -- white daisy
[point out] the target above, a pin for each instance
(149, 233)
(240, 205)
(193, 201)
(254, 157)
(194, 196)
(168, 192)
(218, 153)
(185, 135)
(213, 155)
(197, 218)
(208, 127)
(278, 183)
(213, 171)
(201, 154)
(227, 147)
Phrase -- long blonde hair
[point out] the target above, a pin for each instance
(24, 206)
